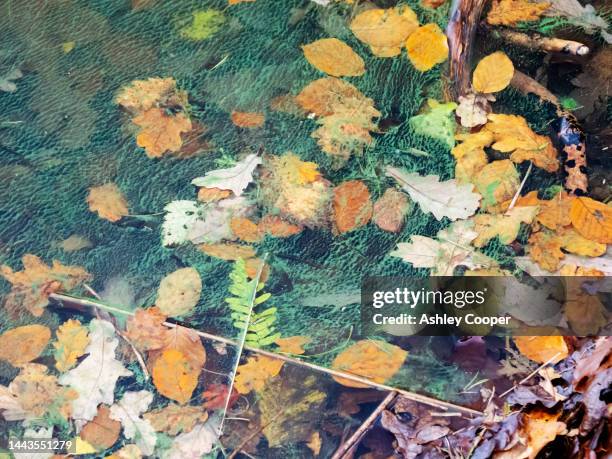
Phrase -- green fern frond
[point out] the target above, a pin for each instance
(261, 329)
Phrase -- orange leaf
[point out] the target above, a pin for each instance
(511, 12)
(277, 227)
(101, 432)
(252, 266)
(248, 119)
(373, 359)
(212, 194)
(227, 251)
(322, 96)
(292, 344)
(541, 349)
(390, 210)
(334, 57)
(352, 206)
(108, 202)
(245, 229)
(142, 95)
(145, 330)
(160, 132)
(23, 344)
(427, 47)
(592, 219)
(174, 377)
(254, 374)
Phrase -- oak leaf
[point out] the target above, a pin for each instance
(505, 226)
(128, 411)
(174, 377)
(179, 292)
(72, 340)
(493, 73)
(372, 359)
(334, 57)
(513, 135)
(545, 247)
(390, 210)
(161, 132)
(352, 206)
(592, 219)
(23, 344)
(473, 109)
(108, 202)
(292, 344)
(142, 95)
(427, 47)
(511, 12)
(101, 432)
(174, 419)
(542, 349)
(254, 374)
(235, 178)
(496, 182)
(248, 120)
(32, 286)
(385, 30)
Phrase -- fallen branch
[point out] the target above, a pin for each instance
(538, 42)
(63, 299)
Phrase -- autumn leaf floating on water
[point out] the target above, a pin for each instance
(254, 374)
(108, 202)
(31, 287)
(334, 57)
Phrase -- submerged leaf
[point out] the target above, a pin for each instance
(204, 24)
(505, 226)
(248, 119)
(542, 349)
(496, 182)
(334, 57)
(101, 432)
(592, 219)
(352, 206)
(108, 202)
(235, 178)
(179, 292)
(427, 47)
(253, 374)
(23, 344)
(174, 419)
(438, 122)
(72, 340)
(160, 133)
(174, 377)
(511, 12)
(390, 210)
(128, 411)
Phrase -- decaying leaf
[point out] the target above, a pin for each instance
(390, 210)
(496, 182)
(72, 340)
(235, 178)
(314, 443)
(385, 30)
(179, 292)
(246, 230)
(142, 95)
(292, 344)
(585, 313)
(145, 330)
(160, 132)
(542, 349)
(505, 226)
(174, 377)
(442, 199)
(255, 372)
(92, 385)
(473, 109)
(334, 57)
(427, 47)
(73, 243)
(493, 73)
(108, 202)
(248, 120)
(197, 443)
(32, 286)
(539, 428)
(352, 206)
(324, 95)
(511, 12)
(592, 219)
(174, 419)
(128, 411)
(101, 432)
(545, 247)
(186, 342)
(371, 359)
(23, 344)
(275, 226)
(212, 194)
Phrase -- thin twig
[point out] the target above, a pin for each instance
(345, 448)
(445, 406)
(520, 188)
(530, 375)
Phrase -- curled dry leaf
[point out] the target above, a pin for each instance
(352, 206)
(32, 286)
(254, 374)
(385, 30)
(174, 419)
(390, 210)
(108, 202)
(23, 344)
(249, 120)
(179, 292)
(72, 340)
(372, 359)
(493, 73)
(160, 133)
(427, 47)
(101, 432)
(592, 219)
(334, 57)
(511, 12)
(292, 344)
(541, 349)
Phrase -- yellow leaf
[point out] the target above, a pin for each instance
(254, 374)
(108, 202)
(513, 135)
(161, 132)
(541, 349)
(23, 344)
(174, 377)
(292, 344)
(71, 342)
(511, 12)
(493, 73)
(385, 31)
(470, 155)
(574, 243)
(427, 47)
(334, 57)
(372, 359)
(592, 219)
(227, 251)
(505, 226)
(496, 182)
(314, 443)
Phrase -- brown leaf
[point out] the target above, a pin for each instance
(142, 95)
(246, 230)
(585, 313)
(212, 194)
(101, 432)
(174, 419)
(228, 251)
(390, 210)
(161, 132)
(108, 202)
(275, 226)
(322, 96)
(32, 286)
(179, 292)
(145, 330)
(334, 57)
(541, 349)
(252, 266)
(248, 119)
(352, 206)
(23, 344)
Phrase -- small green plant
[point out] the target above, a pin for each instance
(260, 331)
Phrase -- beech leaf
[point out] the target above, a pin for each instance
(179, 292)
(334, 57)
